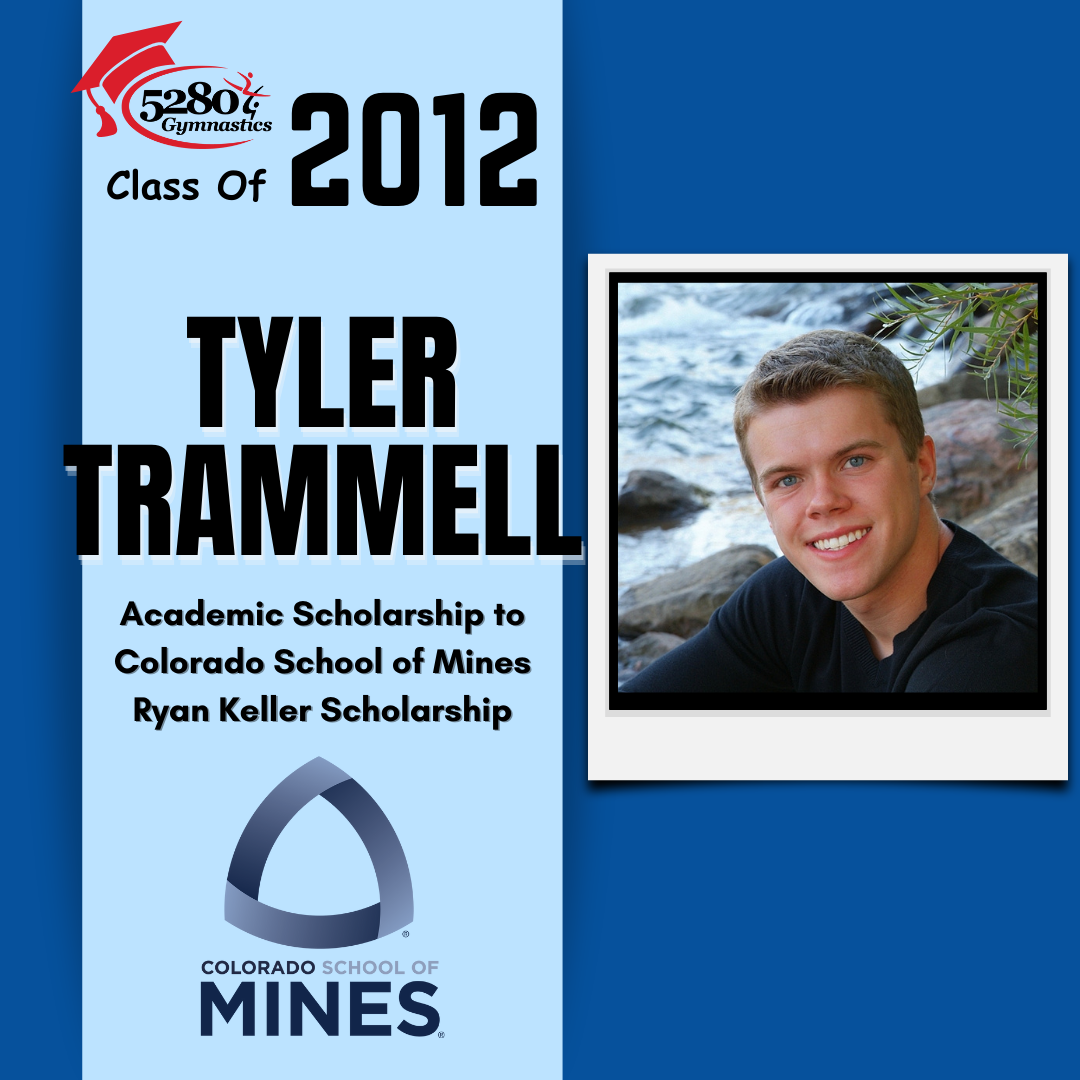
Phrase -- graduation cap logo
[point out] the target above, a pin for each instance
(123, 59)
(130, 61)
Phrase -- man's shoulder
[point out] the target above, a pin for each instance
(780, 586)
(973, 573)
(982, 630)
(744, 646)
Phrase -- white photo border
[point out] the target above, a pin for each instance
(816, 744)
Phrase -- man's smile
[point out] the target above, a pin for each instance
(838, 541)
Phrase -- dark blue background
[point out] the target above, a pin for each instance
(767, 930)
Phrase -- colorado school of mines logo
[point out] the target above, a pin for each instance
(186, 105)
(242, 905)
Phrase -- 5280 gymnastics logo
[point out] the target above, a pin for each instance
(185, 105)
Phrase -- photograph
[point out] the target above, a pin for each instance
(823, 483)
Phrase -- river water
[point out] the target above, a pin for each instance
(684, 349)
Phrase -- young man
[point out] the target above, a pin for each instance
(875, 592)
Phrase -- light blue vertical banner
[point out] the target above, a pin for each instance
(321, 240)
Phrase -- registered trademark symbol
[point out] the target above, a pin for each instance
(404, 933)
(442, 1034)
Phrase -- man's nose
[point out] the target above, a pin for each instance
(827, 495)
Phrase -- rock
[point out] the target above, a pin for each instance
(650, 496)
(1012, 529)
(962, 385)
(636, 655)
(681, 602)
(975, 460)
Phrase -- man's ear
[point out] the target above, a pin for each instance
(926, 464)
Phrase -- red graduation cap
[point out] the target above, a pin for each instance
(124, 58)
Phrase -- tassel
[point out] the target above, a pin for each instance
(108, 124)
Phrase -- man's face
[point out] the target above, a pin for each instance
(842, 499)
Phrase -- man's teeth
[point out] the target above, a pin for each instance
(834, 543)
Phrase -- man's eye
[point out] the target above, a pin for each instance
(856, 462)
(787, 481)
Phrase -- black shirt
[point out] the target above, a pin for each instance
(777, 633)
